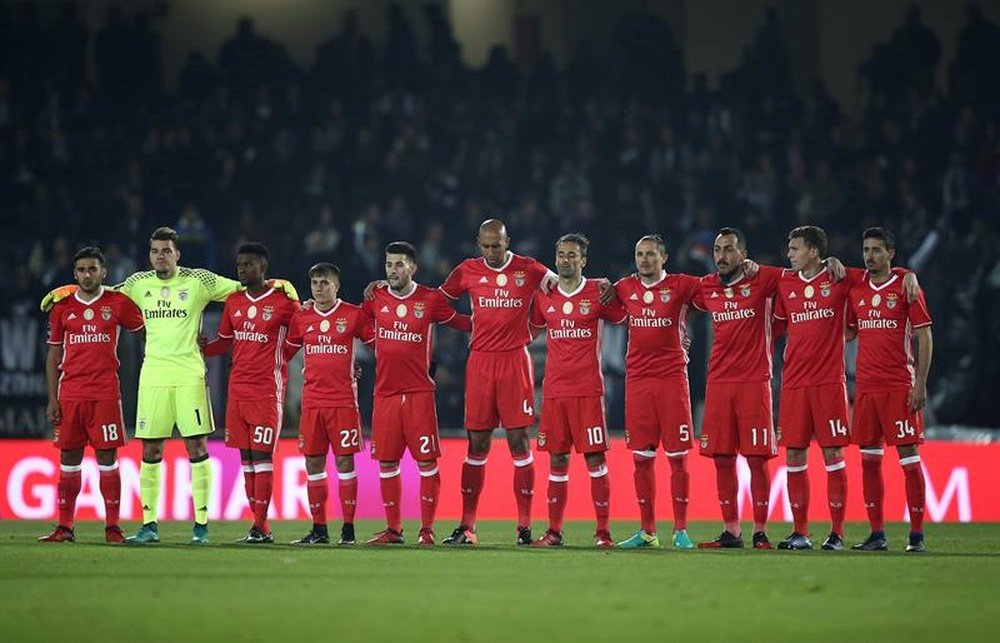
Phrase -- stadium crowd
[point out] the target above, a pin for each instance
(332, 161)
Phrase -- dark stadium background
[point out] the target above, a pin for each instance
(327, 129)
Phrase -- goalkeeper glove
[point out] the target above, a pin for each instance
(56, 295)
(285, 287)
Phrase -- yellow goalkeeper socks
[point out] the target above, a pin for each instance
(201, 483)
(149, 489)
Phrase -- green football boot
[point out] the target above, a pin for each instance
(682, 540)
(199, 535)
(640, 540)
(146, 534)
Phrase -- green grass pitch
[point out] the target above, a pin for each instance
(89, 591)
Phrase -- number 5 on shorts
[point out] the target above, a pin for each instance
(263, 434)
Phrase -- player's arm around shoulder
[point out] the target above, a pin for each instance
(214, 287)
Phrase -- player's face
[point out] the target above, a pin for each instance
(324, 289)
(89, 274)
(164, 256)
(649, 259)
(570, 260)
(250, 269)
(878, 259)
(399, 271)
(729, 257)
(493, 247)
(800, 255)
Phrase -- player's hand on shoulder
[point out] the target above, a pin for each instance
(285, 287)
(911, 287)
(607, 289)
(56, 295)
(750, 268)
(202, 342)
(373, 286)
(549, 282)
(836, 268)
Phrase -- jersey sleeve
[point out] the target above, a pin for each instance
(918, 314)
(769, 277)
(851, 318)
(540, 270)
(55, 326)
(855, 276)
(364, 326)
(226, 324)
(441, 309)
(130, 287)
(216, 287)
(452, 286)
(698, 300)
(779, 308)
(536, 318)
(130, 316)
(614, 312)
(690, 288)
(294, 337)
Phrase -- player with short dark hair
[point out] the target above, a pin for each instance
(738, 417)
(84, 406)
(891, 387)
(330, 418)
(254, 324)
(405, 415)
(573, 415)
(657, 393)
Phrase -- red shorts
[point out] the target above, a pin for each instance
(338, 427)
(658, 412)
(738, 419)
(253, 424)
(499, 390)
(408, 420)
(819, 411)
(886, 415)
(99, 423)
(573, 422)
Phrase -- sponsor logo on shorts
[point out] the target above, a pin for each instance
(541, 438)
(704, 441)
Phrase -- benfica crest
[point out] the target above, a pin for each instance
(745, 290)
(665, 295)
(824, 289)
(584, 306)
(890, 300)
(268, 313)
(519, 278)
(418, 309)
(341, 325)
(106, 313)
(182, 294)
(541, 439)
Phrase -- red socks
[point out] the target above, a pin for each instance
(317, 490)
(645, 489)
(111, 491)
(68, 489)
(798, 497)
(915, 490)
(727, 485)
(392, 490)
(263, 480)
(680, 482)
(836, 491)
(524, 486)
(873, 486)
(430, 491)
(348, 489)
(558, 482)
(473, 475)
(248, 481)
(760, 491)
(600, 491)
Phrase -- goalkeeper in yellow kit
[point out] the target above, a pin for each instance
(172, 386)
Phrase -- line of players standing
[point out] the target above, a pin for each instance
(818, 302)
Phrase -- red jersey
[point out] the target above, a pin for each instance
(885, 321)
(327, 341)
(257, 328)
(88, 333)
(404, 330)
(657, 325)
(741, 323)
(815, 310)
(500, 298)
(573, 360)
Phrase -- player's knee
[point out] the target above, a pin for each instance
(345, 463)
(152, 451)
(427, 465)
(832, 455)
(594, 460)
(795, 457)
(316, 464)
(388, 465)
(71, 457)
(196, 447)
(479, 443)
(559, 460)
(907, 450)
(106, 457)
